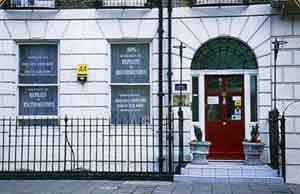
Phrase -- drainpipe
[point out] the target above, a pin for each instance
(160, 85)
(170, 85)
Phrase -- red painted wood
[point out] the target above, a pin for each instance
(226, 138)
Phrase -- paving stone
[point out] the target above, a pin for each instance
(258, 188)
(182, 189)
(121, 187)
(163, 189)
(201, 188)
(280, 189)
(144, 190)
(240, 189)
(295, 189)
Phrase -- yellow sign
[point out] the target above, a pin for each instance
(82, 72)
(237, 103)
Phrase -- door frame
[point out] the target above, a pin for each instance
(247, 96)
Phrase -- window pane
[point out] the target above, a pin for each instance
(213, 112)
(235, 84)
(213, 108)
(195, 99)
(253, 85)
(195, 108)
(41, 100)
(130, 104)
(224, 53)
(214, 84)
(195, 85)
(38, 64)
(130, 63)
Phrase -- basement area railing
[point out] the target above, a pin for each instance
(26, 4)
(87, 147)
(117, 4)
(75, 4)
(199, 3)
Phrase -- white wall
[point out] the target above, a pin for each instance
(288, 87)
(84, 36)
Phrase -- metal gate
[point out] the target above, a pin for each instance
(87, 148)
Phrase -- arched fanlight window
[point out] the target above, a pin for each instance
(224, 53)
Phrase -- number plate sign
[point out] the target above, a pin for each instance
(180, 87)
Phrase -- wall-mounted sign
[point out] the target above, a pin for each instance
(38, 64)
(237, 101)
(82, 72)
(180, 87)
(130, 104)
(130, 63)
(183, 99)
(41, 100)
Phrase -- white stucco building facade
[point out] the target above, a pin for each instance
(86, 36)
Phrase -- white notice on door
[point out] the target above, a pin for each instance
(236, 98)
(212, 99)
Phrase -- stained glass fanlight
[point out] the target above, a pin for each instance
(224, 53)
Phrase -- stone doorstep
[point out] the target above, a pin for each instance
(229, 166)
(226, 165)
(223, 171)
(222, 179)
(228, 173)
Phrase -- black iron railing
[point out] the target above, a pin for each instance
(277, 139)
(274, 138)
(85, 147)
(198, 3)
(32, 4)
(125, 3)
(78, 4)
(118, 4)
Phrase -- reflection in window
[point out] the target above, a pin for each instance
(214, 84)
(213, 112)
(235, 84)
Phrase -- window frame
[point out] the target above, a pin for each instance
(19, 85)
(147, 84)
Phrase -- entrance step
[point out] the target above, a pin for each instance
(228, 172)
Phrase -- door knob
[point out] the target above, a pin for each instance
(224, 123)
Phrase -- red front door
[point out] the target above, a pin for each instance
(224, 116)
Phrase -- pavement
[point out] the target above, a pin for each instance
(138, 187)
